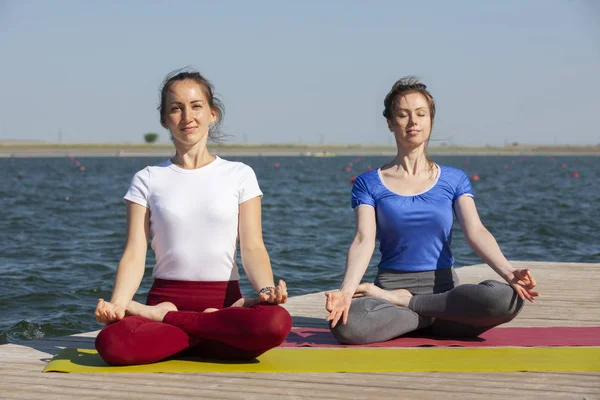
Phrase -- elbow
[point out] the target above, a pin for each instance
(133, 264)
(361, 241)
(475, 234)
(253, 249)
(252, 245)
(132, 257)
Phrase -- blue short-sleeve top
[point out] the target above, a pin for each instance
(414, 231)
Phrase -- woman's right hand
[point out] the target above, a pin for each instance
(108, 313)
(338, 305)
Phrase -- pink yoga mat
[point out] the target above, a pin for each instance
(496, 337)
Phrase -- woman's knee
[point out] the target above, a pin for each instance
(155, 342)
(275, 325)
(355, 330)
(111, 346)
(349, 333)
(115, 343)
(500, 299)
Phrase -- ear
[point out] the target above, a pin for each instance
(213, 116)
(390, 125)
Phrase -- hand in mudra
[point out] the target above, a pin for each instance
(107, 312)
(523, 282)
(276, 295)
(337, 304)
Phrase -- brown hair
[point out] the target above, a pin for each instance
(402, 87)
(215, 103)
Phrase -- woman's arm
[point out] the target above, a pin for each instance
(131, 266)
(486, 247)
(255, 258)
(357, 262)
(133, 262)
(361, 249)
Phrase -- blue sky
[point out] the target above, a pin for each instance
(303, 71)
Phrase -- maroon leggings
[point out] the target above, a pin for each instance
(233, 333)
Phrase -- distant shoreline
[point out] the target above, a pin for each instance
(23, 150)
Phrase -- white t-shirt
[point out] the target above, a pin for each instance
(194, 217)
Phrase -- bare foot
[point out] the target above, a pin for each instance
(155, 313)
(368, 290)
(399, 297)
(245, 302)
(242, 302)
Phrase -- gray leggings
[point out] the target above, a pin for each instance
(460, 311)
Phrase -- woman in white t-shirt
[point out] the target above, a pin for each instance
(194, 206)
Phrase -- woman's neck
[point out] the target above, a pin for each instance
(192, 158)
(412, 161)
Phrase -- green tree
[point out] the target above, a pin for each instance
(150, 137)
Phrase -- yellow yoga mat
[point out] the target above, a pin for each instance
(504, 359)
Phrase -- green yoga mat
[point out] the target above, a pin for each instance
(505, 359)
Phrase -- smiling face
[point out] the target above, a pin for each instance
(410, 121)
(187, 113)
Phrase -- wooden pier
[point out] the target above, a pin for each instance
(570, 297)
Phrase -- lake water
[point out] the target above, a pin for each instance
(62, 229)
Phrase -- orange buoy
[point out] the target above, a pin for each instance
(347, 169)
(475, 177)
(576, 174)
(352, 179)
(277, 165)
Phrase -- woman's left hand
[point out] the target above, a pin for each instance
(522, 281)
(278, 295)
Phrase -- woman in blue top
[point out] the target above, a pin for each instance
(408, 204)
